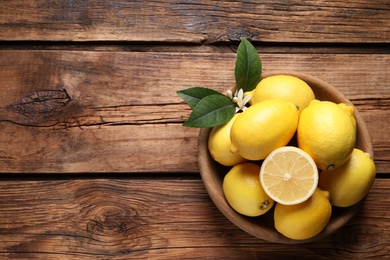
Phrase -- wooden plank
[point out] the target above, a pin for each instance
(103, 111)
(199, 21)
(126, 149)
(158, 219)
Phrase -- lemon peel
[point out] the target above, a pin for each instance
(285, 87)
(219, 144)
(263, 127)
(305, 220)
(350, 182)
(243, 191)
(327, 132)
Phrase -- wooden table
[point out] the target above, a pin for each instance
(94, 160)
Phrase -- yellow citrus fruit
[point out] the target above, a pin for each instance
(219, 144)
(350, 182)
(350, 111)
(243, 191)
(286, 87)
(327, 132)
(304, 220)
(289, 175)
(263, 127)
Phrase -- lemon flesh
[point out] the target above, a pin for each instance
(289, 175)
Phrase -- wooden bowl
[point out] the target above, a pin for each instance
(262, 227)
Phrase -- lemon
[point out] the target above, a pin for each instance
(219, 144)
(350, 182)
(286, 87)
(243, 191)
(263, 127)
(304, 220)
(327, 132)
(350, 110)
(289, 175)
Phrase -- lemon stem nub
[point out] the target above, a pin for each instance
(264, 205)
(330, 167)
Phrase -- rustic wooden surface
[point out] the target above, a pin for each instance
(94, 162)
(196, 21)
(170, 218)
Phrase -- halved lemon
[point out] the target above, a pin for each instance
(289, 175)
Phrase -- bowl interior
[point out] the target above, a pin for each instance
(262, 227)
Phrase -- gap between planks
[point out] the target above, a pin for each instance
(263, 47)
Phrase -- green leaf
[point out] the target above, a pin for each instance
(192, 96)
(248, 66)
(211, 111)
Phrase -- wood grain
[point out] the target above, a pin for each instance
(198, 21)
(157, 218)
(89, 87)
(119, 112)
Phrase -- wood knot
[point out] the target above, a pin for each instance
(42, 103)
(116, 224)
(238, 34)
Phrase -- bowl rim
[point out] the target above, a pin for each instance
(340, 216)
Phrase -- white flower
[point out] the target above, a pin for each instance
(239, 99)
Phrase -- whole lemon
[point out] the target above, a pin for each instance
(327, 132)
(243, 191)
(263, 127)
(286, 87)
(219, 144)
(350, 182)
(304, 220)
